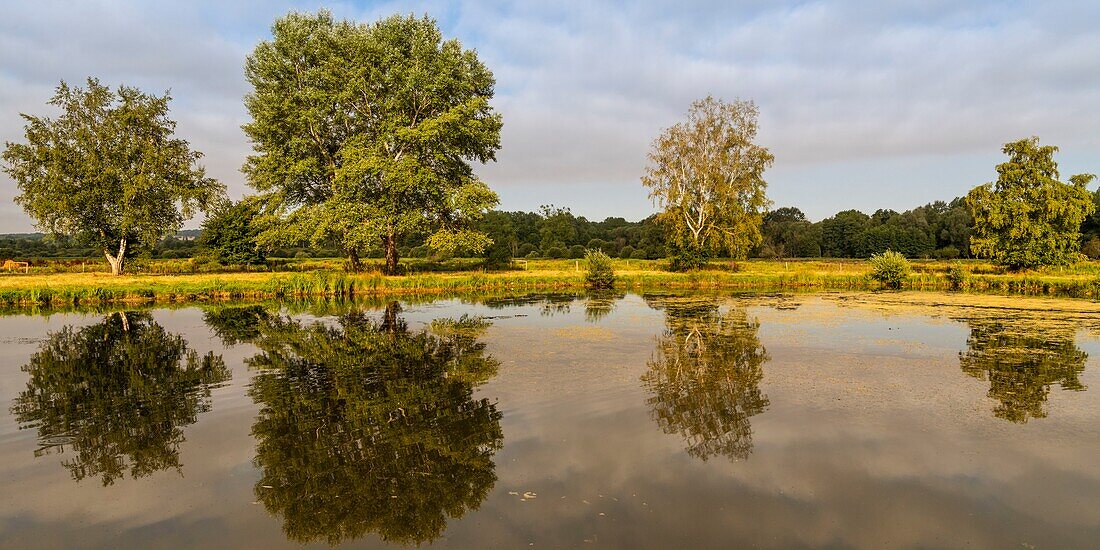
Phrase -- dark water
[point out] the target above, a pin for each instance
(556, 421)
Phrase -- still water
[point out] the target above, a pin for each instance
(835, 420)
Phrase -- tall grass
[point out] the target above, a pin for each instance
(72, 289)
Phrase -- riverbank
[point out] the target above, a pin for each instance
(67, 289)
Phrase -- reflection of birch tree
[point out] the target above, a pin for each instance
(704, 377)
(372, 427)
(1022, 360)
(118, 393)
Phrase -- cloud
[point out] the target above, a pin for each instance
(585, 86)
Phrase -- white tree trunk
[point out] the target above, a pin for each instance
(117, 261)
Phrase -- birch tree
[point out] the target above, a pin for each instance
(708, 177)
(108, 170)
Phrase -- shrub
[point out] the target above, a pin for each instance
(626, 252)
(526, 249)
(956, 276)
(890, 268)
(556, 252)
(947, 253)
(532, 254)
(600, 274)
(639, 254)
(1092, 248)
(576, 252)
(302, 254)
(687, 260)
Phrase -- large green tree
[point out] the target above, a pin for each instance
(108, 170)
(365, 132)
(230, 233)
(708, 176)
(1028, 218)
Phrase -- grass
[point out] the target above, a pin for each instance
(325, 280)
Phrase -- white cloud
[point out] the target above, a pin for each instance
(585, 86)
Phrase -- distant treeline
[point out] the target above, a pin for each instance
(936, 230)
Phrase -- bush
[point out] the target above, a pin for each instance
(576, 252)
(532, 255)
(956, 276)
(639, 254)
(600, 274)
(947, 253)
(626, 252)
(1092, 248)
(890, 268)
(301, 254)
(687, 260)
(526, 249)
(556, 253)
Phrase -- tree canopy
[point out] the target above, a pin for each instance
(1028, 218)
(708, 177)
(108, 170)
(365, 132)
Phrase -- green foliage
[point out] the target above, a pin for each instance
(626, 252)
(840, 233)
(365, 132)
(499, 228)
(687, 259)
(956, 276)
(230, 233)
(556, 228)
(576, 252)
(600, 274)
(1028, 218)
(708, 177)
(556, 253)
(890, 268)
(1092, 248)
(108, 170)
(113, 398)
(369, 427)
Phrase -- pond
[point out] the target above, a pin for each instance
(558, 420)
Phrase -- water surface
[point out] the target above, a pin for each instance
(838, 420)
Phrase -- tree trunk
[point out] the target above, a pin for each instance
(117, 261)
(390, 244)
(125, 321)
(354, 264)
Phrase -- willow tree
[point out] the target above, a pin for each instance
(708, 176)
(1028, 218)
(365, 132)
(108, 170)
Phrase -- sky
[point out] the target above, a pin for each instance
(867, 105)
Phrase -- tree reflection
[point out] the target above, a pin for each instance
(371, 427)
(118, 394)
(704, 377)
(599, 305)
(1022, 360)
